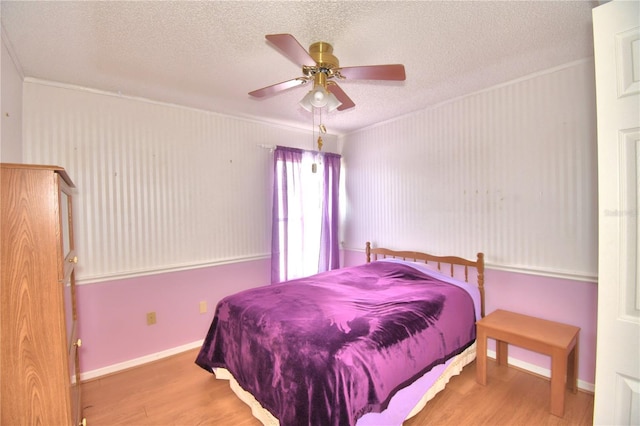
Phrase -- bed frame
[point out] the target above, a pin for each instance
(452, 261)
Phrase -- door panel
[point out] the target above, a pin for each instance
(616, 28)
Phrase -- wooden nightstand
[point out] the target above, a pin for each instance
(560, 341)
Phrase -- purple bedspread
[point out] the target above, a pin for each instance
(326, 349)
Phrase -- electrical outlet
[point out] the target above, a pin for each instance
(151, 318)
(203, 307)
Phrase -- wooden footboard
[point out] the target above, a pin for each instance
(438, 261)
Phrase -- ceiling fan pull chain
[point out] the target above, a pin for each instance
(320, 127)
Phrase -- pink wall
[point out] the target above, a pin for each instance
(568, 301)
(112, 315)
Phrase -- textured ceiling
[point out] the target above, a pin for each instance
(210, 54)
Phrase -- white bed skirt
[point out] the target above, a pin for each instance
(405, 404)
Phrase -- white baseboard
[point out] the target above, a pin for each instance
(544, 372)
(114, 368)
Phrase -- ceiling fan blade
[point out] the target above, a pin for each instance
(342, 97)
(374, 72)
(289, 46)
(278, 87)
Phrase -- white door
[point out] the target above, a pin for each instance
(616, 28)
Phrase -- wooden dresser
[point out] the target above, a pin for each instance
(38, 342)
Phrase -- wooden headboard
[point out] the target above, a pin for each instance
(452, 261)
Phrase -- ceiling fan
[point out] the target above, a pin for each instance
(322, 67)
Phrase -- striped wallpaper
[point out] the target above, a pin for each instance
(160, 187)
(510, 171)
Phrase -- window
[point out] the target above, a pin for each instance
(305, 213)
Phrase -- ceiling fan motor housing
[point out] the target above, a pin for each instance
(322, 53)
(326, 62)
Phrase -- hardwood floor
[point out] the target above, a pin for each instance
(174, 391)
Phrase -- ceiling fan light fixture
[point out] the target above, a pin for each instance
(332, 102)
(306, 101)
(319, 97)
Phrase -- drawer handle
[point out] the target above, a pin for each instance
(78, 343)
(83, 422)
(74, 260)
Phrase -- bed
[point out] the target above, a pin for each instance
(366, 345)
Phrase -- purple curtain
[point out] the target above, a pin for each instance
(287, 166)
(330, 248)
(294, 233)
